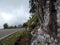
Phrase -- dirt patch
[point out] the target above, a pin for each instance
(21, 41)
(24, 39)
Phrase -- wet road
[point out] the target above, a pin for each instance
(6, 32)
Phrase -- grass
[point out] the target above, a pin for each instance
(11, 39)
(32, 19)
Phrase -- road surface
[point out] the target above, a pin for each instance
(6, 32)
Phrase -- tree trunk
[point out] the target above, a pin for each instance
(53, 18)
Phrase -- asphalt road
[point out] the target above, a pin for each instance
(6, 32)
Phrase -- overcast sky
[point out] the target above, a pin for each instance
(14, 12)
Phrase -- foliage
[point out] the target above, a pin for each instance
(25, 24)
(33, 9)
(15, 26)
(33, 19)
(32, 6)
(5, 26)
(11, 27)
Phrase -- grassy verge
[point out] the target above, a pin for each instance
(11, 39)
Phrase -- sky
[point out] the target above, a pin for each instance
(14, 12)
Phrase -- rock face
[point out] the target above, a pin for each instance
(42, 38)
(51, 19)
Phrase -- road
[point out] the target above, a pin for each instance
(6, 32)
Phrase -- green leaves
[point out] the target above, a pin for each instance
(33, 6)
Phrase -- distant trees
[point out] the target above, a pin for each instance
(25, 25)
(12, 26)
(15, 26)
(5, 26)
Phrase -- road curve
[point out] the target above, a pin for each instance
(6, 32)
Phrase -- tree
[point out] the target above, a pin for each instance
(53, 17)
(25, 25)
(5, 26)
(41, 7)
(15, 26)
